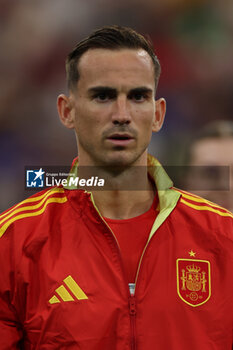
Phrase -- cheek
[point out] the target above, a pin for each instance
(145, 132)
(92, 113)
(145, 128)
(88, 127)
(146, 120)
(145, 112)
(83, 117)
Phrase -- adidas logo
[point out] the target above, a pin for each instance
(64, 293)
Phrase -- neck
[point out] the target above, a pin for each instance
(127, 194)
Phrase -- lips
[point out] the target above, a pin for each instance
(120, 139)
(119, 136)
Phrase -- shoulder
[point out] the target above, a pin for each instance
(204, 213)
(35, 206)
(201, 205)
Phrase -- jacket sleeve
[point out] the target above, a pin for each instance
(10, 329)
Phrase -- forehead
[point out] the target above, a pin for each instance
(213, 151)
(105, 65)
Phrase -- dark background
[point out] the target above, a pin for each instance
(193, 40)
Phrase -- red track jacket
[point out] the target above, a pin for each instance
(62, 284)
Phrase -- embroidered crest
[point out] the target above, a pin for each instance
(193, 281)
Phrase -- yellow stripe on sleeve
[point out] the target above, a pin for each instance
(33, 213)
(27, 208)
(202, 200)
(33, 199)
(205, 207)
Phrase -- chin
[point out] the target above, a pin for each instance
(121, 158)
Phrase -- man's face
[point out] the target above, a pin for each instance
(113, 108)
(214, 152)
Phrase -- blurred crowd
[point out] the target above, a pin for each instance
(193, 40)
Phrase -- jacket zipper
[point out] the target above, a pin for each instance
(132, 298)
(132, 312)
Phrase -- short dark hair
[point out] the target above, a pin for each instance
(216, 129)
(112, 38)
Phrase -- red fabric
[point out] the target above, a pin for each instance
(68, 237)
(132, 235)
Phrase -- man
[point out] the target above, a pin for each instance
(115, 269)
(210, 155)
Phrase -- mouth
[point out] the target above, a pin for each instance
(120, 139)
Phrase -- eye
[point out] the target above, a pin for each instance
(138, 96)
(104, 96)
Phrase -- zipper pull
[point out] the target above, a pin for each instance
(132, 288)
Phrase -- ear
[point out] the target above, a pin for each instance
(65, 111)
(160, 110)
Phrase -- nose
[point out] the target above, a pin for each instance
(121, 112)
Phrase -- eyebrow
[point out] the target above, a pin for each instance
(141, 89)
(97, 89)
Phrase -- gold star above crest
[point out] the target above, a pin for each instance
(192, 253)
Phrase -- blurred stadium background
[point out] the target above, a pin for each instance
(193, 40)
